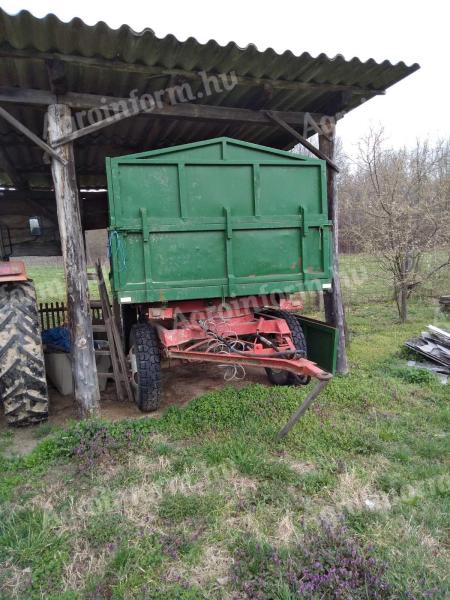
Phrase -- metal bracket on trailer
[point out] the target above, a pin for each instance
(302, 409)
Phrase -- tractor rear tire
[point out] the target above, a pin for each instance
(284, 377)
(23, 387)
(145, 348)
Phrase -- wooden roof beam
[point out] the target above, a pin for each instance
(185, 111)
(28, 133)
(302, 140)
(180, 110)
(155, 72)
(119, 109)
(18, 95)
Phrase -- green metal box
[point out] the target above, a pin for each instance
(213, 219)
(321, 342)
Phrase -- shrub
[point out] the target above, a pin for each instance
(328, 564)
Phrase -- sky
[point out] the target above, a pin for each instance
(415, 108)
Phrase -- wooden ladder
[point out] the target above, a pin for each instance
(115, 351)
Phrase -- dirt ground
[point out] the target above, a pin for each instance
(181, 384)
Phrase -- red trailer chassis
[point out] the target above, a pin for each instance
(239, 331)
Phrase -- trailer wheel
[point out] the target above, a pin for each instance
(23, 387)
(146, 366)
(278, 377)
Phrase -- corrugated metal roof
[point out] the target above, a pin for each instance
(106, 61)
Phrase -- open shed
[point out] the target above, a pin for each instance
(73, 94)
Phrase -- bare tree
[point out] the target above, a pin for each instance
(403, 199)
(350, 218)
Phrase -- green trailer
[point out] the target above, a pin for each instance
(211, 243)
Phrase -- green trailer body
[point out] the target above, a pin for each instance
(216, 219)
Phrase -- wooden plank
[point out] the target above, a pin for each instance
(86, 391)
(115, 343)
(183, 111)
(303, 141)
(20, 95)
(114, 361)
(30, 135)
(333, 301)
(122, 361)
(193, 76)
(191, 111)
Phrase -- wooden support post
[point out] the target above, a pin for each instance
(84, 368)
(334, 306)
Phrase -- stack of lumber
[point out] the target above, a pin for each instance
(434, 344)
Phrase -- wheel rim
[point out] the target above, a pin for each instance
(134, 372)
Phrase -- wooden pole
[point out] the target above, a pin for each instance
(333, 303)
(84, 369)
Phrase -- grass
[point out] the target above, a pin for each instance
(178, 507)
(26, 534)
(50, 284)
(202, 503)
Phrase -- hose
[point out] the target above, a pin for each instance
(289, 354)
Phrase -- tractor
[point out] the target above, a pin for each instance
(23, 387)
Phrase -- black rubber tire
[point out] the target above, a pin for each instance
(23, 387)
(144, 343)
(298, 337)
